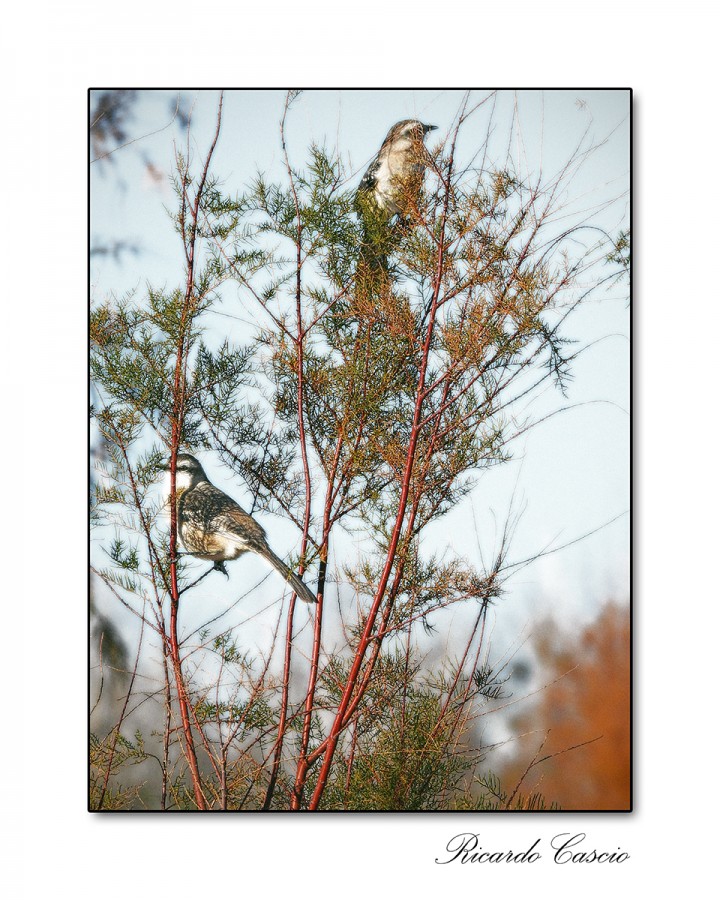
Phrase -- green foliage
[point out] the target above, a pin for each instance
(398, 757)
(399, 349)
(619, 256)
(114, 754)
(489, 795)
(620, 253)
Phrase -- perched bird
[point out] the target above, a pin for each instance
(212, 526)
(391, 186)
(393, 179)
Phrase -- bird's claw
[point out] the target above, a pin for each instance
(220, 566)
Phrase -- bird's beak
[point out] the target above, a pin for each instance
(427, 128)
(164, 465)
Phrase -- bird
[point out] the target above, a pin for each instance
(391, 186)
(214, 527)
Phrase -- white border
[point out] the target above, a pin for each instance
(53, 53)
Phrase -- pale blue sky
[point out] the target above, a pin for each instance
(570, 475)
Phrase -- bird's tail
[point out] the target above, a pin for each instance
(295, 582)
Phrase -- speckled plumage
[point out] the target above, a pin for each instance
(212, 526)
(210, 520)
(393, 179)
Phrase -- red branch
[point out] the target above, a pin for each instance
(175, 438)
(367, 635)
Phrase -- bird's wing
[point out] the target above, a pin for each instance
(200, 504)
(236, 523)
(213, 510)
(369, 179)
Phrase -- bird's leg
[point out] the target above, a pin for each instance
(220, 566)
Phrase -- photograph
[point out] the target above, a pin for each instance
(360, 466)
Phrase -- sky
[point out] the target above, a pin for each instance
(569, 476)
